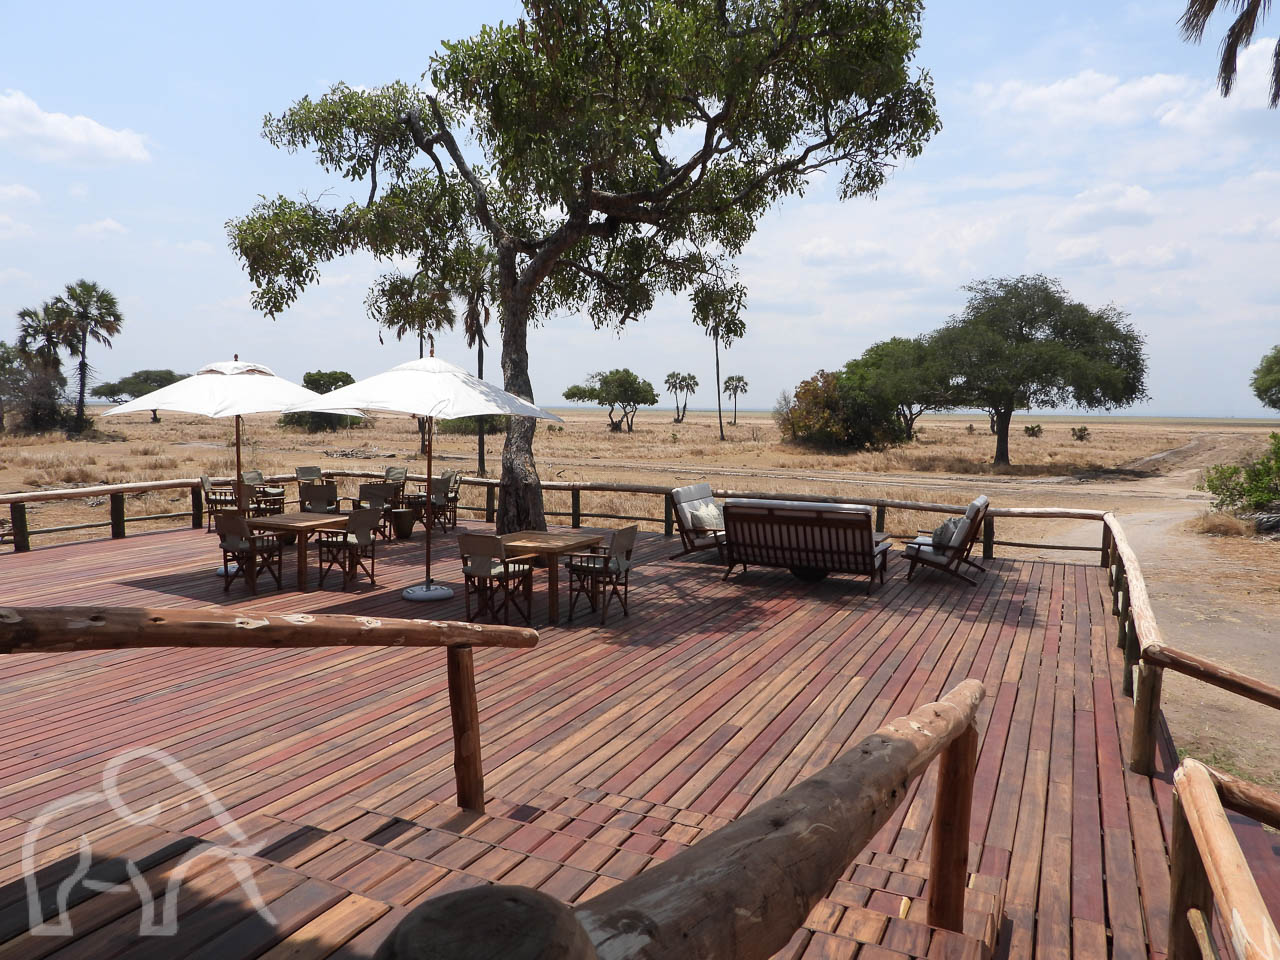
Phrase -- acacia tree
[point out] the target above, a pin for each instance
(618, 150)
(88, 312)
(137, 384)
(909, 372)
(735, 385)
(1266, 379)
(1022, 343)
(619, 390)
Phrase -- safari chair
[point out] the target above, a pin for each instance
(440, 500)
(267, 499)
(318, 497)
(246, 555)
(493, 576)
(381, 497)
(216, 500)
(949, 557)
(308, 474)
(398, 476)
(699, 520)
(603, 573)
(349, 549)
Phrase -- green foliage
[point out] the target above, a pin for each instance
(677, 384)
(619, 390)
(836, 411)
(137, 384)
(1266, 379)
(322, 381)
(471, 425)
(1251, 486)
(1080, 434)
(735, 385)
(85, 311)
(1031, 430)
(30, 391)
(909, 373)
(1021, 343)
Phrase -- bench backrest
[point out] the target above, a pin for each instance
(836, 537)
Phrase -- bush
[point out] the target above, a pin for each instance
(831, 411)
(1080, 433)
(782, 415)
(1035, 430)
(322, 381)
(470, 426)
(1252, 486)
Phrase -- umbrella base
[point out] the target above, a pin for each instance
(222, 571)
(427, 591)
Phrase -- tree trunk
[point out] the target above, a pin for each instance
(155, 416)
(735, 409)
(1001, 419)
(719, 408)
(481, 421)
(520, 490)
(83, 368)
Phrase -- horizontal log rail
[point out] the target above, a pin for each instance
(742, 891)
(42, 630)
(1208, 872)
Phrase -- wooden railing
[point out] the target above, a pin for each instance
(75, 629)
(1207, 869)
(743, 891)
(115, 493)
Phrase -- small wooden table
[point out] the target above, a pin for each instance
(303, 525)
(550, 546)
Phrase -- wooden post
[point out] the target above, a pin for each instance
(467, 771)
(21, 538)
(1189, 887)
(575, 519)
(988, 537)
(668, 516)
(1106, 544)
(1120, 586)
(880, 518)
(489, 512)
(1132, 653)
(1146, 717)
(117, 516)
(197, 508)
(949, 858)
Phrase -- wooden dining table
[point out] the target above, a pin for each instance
(550, 546)
(303, 525)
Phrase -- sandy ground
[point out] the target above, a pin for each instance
(1218, 597)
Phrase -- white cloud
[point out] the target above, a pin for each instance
(1080, 252)
(10, 227)
(1158, 257)
(101, 228)
(1106, 206)
(1088, 98)
(60, 138)
(11, 192)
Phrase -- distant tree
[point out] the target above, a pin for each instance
(1266, 379)
(1249, 13)
(784, 409)
(321, 381)
(619, 390)
(42, 334)
(678, 384)
(718, 310)
(907, 372)
(835, 411)
(137, 384)
(12, 378)
(614, 151)
(1022, 343)
(89, 312)
(735, 385)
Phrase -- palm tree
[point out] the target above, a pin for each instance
(477, 293)
(735, 384)
(1240, 34)
(42, 335)
(674, 384)
(89, 312)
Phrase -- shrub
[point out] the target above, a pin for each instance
(322, 381)
(782, 415)
(1251, 486)
(470, 426)
(832, 411)
(1035, 430)
(1080, 433)
(969, 429)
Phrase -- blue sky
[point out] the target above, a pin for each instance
(1085, 142)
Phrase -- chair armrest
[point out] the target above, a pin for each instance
(522, 556)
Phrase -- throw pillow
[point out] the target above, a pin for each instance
(946, 531)
(707, 516)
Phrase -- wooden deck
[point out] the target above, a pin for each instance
(604, 748)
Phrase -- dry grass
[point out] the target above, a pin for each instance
(1215, 523)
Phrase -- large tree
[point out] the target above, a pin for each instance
(478, 280)
(1248, 16)
(1021, 342)
(137, 384)
(718, 310)
(90, 312)
(617, 149)
(909, 372)
(622, 391)
(1266, 379)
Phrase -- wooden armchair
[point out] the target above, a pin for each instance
(216, 500)
(349, 549)
(247, 555)
(318, 497)
(696, 519)
(267, 499)
(603, 573)
(497, 580)
(382, 497)
(950, 557)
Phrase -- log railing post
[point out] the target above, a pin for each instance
(988, 537)
(880, 518)
(1189, 887)
(1106, 545)
(21, 538)
(489, 512)
(467, 770)
(197, 508)
(949, 857)
(117, 516)
(668, 516)
(1146, 717)
(1132, 652)
(575, 510)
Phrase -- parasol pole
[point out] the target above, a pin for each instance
(428, 590)
(431, 521)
